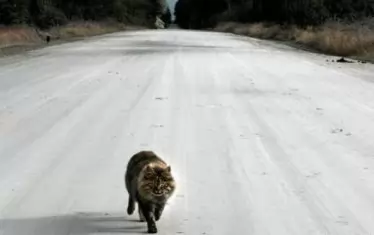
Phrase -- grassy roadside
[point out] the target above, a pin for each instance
(22, 38)
(333, 38)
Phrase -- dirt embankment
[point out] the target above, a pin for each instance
(354, 40)
(20, 38)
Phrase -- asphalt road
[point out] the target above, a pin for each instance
(262, 138)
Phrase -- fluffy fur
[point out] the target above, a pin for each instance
(149, 182)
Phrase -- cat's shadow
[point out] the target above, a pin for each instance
(79, 223)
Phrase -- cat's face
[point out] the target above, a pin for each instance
(157, 181)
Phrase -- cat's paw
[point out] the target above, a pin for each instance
(152, 228)
(130, 210)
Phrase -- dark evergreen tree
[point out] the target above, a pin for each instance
(204, 13)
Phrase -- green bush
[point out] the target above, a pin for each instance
(51, 17)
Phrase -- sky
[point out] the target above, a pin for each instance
(171, 6)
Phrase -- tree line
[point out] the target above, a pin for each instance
(197, 14)
(48, 13)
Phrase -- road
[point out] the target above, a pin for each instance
(262, 138)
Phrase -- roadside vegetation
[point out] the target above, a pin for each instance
(24, 22)
(337, 27)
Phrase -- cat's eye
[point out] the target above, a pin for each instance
(148, 176)
(167, 178)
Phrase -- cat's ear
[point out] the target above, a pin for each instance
(148, 168)
(168, 169)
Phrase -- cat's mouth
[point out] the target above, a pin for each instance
(158, 193)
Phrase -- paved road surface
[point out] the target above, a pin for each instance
(263, 139)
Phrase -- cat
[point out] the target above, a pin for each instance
(150, 183)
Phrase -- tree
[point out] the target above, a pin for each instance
(204, 13)
(48, 13)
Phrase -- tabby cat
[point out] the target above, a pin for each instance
(149, 183)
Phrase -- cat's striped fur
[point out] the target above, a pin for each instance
(150, 183)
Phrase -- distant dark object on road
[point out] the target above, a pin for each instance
(343, 60)
(48, 38)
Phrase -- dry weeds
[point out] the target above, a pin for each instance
(332, 38)
(15, 36)
(24, 35)
(85, 29)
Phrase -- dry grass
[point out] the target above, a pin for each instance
(15, 36)
(85, 29)
(332, 38)
(24, 35)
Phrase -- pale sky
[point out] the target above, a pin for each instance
(171, 6)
